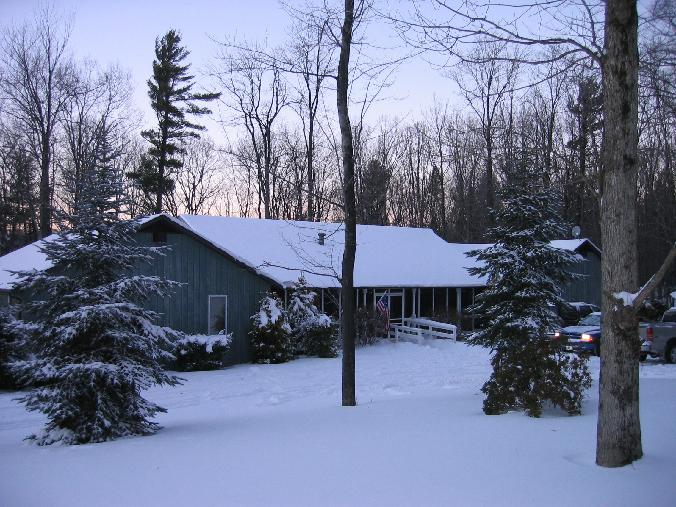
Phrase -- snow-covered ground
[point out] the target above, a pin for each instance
(276, 435)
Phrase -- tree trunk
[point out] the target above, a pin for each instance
(619, 426)
(161, 162)
(45, 190)
(347, 280)
(311, 171)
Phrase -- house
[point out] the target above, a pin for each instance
(587, 287)
(227, 264)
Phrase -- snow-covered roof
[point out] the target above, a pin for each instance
(25, 258)
(282, 250)
(386, 256)
(574, 244)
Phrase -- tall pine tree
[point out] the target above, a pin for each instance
(172, 99)
(96, 349)
(525, 274)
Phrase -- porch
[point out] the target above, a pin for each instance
(441, 304)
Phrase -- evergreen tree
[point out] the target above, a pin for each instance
(13, 334)
(172, 99)
(95, 348)
(312, 331)
(525, 273)
(271, 333)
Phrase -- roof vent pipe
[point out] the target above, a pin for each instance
(321, 237)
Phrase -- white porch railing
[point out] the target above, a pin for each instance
(417, 328)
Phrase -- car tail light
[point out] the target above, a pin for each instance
(650, 334)
(586, 337)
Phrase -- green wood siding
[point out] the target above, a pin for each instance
(204, 272)
(587, 289)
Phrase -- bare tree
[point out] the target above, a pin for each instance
(619, 425)
(313, 53)
(485, 79)
(256, 93)
(199, 182)
(19, 201)
(347, 276)
(99, 107)
(36, 85)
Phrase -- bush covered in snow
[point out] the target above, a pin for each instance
(321, 339)
(271, 333)
(201, 352)
(525, 276)
(312, 331)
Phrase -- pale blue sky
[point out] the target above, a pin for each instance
(124, 31)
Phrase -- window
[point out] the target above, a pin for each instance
(218, 314)
(159, 237)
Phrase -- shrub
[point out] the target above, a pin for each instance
(369, 325)
(201, 352)
(312, 331)
(319, 338)
(271, 334)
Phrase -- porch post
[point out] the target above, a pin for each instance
(322, 291)
(418, 305)
(447, 301)
(458, 304)
(374, 301)
(363, 292)
(403, 304)
(389, 306)
(433, 291)
(472, 312)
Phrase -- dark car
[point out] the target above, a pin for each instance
(585, 337)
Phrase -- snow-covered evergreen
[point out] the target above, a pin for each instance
(13, 335)
(96, 348)
(312, 331)
(271, 333)
(517, 308)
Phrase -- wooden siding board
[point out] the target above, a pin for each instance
(588, 288)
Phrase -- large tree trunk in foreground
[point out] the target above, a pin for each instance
(347, 280)
(619, 426)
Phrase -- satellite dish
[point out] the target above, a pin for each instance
(576, 231)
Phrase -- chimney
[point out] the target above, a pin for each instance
(321, 237)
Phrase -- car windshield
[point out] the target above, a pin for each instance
(593, 319)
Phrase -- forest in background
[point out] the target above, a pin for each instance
(61, 115)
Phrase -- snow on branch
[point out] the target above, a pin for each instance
(635, 300)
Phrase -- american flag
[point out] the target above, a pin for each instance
(384, 310)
